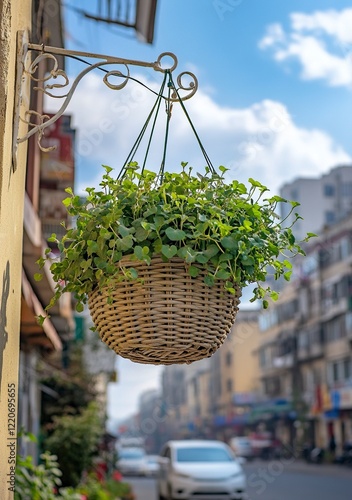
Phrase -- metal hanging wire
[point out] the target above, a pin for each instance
(172, 93)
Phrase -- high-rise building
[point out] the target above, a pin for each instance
(323, 201)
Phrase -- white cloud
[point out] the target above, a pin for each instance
(321, 42)
(334, 23)
(261, 141)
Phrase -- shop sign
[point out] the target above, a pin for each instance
(342, 398)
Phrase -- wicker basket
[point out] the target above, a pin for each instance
(165, 316)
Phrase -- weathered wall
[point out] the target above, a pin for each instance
(15, 15)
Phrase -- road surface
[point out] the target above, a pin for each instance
(279, 480)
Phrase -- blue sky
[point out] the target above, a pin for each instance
(273, 103)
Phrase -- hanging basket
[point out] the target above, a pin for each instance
(165, 316)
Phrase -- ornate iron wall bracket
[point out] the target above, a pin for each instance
(55, 83)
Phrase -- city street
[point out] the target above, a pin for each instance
(279, 480)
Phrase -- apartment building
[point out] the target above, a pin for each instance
(234, 376)
(305, 349)
(213, 397)
(323, 201)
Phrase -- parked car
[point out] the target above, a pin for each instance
(200, 469)
(242, 447)
(131, 461)
(151, 465)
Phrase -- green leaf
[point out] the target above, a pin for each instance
(123, 231)
(194, 271)
(125, 243)
(169, 251)
(274, 296)
(38, 276)
(107, 169)
(229, 243)
(223, 169)
(40, 319)
(287, 275)
(222, 274)
(79, 307)
(256, 183)
(141, 234)
(202, 258)
(142, 253)
(92, 247)
(41, 262)
(247, 225)
(67, 202)
(209, 280)
(175, 234)
(211, 251)
(187, 253)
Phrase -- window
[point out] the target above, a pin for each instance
(329, 217)
(346, 189)
(335, 372)
(203, 454)
(346, 369)
(228, 358)
(340, 370)
(335, 329)
(303, 340)
(229, 385)
(329, 190)
(262, 358)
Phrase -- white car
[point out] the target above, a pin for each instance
(201, 469)
(131, 461)
(242, 447)
(151, 465)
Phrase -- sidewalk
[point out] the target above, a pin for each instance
(299, 465)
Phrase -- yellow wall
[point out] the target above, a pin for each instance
(14, 15)
(239, 361)
(245, 341)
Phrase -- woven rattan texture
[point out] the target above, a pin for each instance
(165, 317)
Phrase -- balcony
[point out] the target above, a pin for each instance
(33, 248)
(310, 352)
(331, 309)
(138, 15)
(285, 361)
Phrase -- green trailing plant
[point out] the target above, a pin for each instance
(42, 481)
(230, 230)
(93, 489)
(75, 440)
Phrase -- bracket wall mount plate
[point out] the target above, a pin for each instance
(55, 80)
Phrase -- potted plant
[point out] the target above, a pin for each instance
(136, 235)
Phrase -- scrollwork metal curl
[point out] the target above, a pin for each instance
(50, 53)
(158, 66)
(192, 86)
(119, 74)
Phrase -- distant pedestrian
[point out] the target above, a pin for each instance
(332, 446)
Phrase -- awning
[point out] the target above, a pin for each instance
(31, 332)
(279, 407)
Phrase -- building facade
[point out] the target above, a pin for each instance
(323, 201)
(14, 17)
(305, 350)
